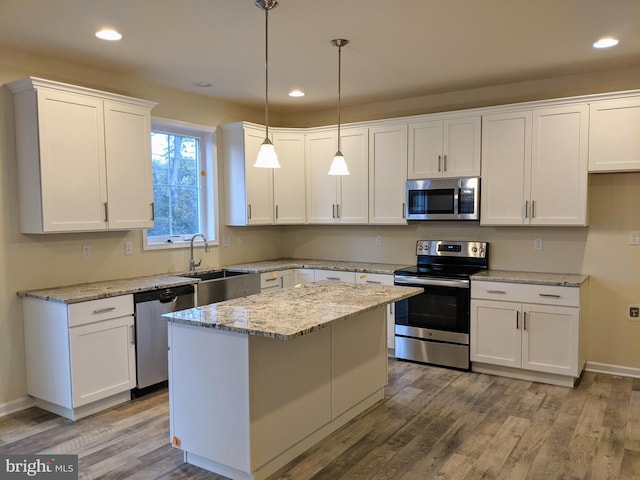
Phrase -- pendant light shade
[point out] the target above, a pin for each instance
(339, 166)
(267, 157)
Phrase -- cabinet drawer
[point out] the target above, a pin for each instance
(335, 275)
(270, 279)
(99, 310)
(526, 293)
(374, 278)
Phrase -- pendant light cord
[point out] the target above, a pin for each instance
(339, 93)
(266, 71)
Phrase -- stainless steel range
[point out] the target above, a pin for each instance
(433, 327)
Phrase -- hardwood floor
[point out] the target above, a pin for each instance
(433, 424)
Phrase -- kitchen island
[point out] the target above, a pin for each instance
(256, 381)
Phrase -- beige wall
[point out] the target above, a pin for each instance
(34, 261)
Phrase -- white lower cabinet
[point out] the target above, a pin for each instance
(512, 336)
(80, 357)
(382, 279)
(303, 275)
(276, 280)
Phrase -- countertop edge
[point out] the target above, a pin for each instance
(536, 278)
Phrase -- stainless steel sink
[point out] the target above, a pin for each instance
(223, 285)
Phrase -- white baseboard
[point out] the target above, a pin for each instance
(612, 369)
(16, 405)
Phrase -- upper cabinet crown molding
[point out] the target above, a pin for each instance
(84, 158)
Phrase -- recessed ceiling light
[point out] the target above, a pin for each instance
(202, 84)
(296, 93)
(108, 34)
(606, 42)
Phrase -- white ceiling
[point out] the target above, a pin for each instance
(398, 49)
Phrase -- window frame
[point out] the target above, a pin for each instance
(209, 206)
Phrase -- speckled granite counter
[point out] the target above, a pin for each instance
(558, 279)
(92, 291)
(286, 263)
(292, 312)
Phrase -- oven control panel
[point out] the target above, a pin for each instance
(437, 248)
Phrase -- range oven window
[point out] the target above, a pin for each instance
(424, 202)
(438, 308)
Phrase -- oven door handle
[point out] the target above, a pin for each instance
(433, 282)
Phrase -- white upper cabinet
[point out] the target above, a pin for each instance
(248, 190)
(84, 158)
(289, 180)
(447, 147)
(614, 142)
(534, 167)
(262, 196)
(387, 174)
(337, 199)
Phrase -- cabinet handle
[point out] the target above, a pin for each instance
(524, 321)
(404, 210)
(526, 209)
(502, 292)
(445, 164)
(439, 163)
(333, 210)
(132, 330)
(153, 212)
(333, 278)
(337, 210)
(104, 310)
(549, 295)
(533, 209)
(106, 212)
(372, 282)
(517, 320)
(276, 212)
(249, 211)
(272, 279)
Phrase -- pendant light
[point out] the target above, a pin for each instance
(339, 166)
(267, 157)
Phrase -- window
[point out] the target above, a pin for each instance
(184, 195)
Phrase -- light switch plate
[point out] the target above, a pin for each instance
(634, 237)
(128, 248)
(86, 251)
(537, 244)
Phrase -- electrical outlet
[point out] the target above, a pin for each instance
(241, 241)
(634, 312)
(128, 248)
(537, 244)
(378, 240)
(226, 240)
(634, 237)
(86, 251)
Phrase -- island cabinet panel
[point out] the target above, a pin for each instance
(244, 406)
(614, 143)
(83, 158)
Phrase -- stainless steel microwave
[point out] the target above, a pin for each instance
(443, 199)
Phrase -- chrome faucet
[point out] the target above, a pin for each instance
(193, 264)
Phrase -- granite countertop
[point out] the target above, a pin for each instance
(509, 276)
(111, 288)
(287, 263)
(292, 312)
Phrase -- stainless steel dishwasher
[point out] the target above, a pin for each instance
(151, 331)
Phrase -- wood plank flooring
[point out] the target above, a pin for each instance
(434, 423)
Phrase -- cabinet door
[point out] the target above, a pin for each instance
(550, 339)
(614, 143)
(128, 160)
(506, 163)
(321, 187)
(461, 147)
(258, 181)
(387, 174)
(495, 333)
(289, 181)
(353, 201)
(559, 166)
(303, 275)
(102, 359)
(425, 150)
(72, 162)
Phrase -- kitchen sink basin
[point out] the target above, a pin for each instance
(223, 285)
